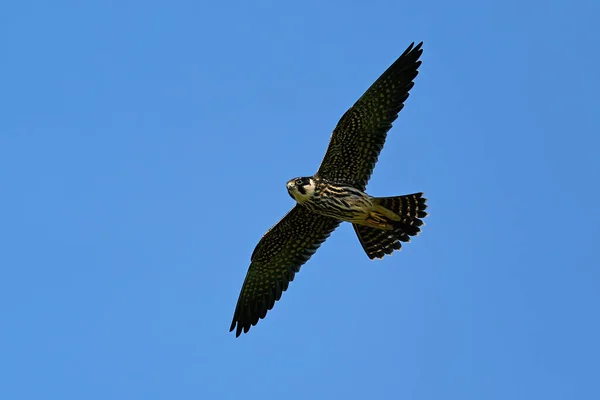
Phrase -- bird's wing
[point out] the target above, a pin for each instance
(360, 134)
(275, 260)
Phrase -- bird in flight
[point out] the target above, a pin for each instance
(336, 193)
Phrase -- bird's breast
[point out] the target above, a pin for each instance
(344, 203)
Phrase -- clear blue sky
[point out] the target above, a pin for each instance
(144, 150)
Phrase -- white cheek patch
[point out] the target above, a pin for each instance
(309, 189)
(302, 196)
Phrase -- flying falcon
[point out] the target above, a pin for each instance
(336, 193)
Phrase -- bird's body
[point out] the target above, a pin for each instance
(341, 202)
(336, 194)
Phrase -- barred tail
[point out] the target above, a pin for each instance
(409, 208)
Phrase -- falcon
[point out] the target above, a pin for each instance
(336, 193)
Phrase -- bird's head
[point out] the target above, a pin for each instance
(301, 189)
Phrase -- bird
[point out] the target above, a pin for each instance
(336, 194)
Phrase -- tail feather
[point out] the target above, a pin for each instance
(410, 208)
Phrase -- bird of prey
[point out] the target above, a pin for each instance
(336, 193)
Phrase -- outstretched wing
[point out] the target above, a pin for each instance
(275, 260)
(360, 134)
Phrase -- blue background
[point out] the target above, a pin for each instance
(144, 150)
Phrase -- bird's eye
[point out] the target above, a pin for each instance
(299, 182)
